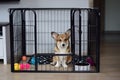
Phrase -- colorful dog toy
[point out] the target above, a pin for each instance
(90, 61)
(24, 66)
(32, 61)
(24, 58)
(16, 66)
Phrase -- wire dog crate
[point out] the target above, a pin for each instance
(32, 46)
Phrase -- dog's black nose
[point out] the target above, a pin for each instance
(63, 45)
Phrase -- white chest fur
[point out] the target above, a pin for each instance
(62, 58)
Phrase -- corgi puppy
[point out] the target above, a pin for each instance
(62, 46)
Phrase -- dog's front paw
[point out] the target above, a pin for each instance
(52, 63)
(65, 65)
(57, 65)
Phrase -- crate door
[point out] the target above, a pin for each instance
(80, 32)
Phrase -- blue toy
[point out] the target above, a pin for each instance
(32, 61)
(40, 60)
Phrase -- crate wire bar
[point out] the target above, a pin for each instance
(30, 36)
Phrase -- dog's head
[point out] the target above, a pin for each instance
(62, 40)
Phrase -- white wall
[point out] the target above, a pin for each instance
(4, 15)
(112, 16)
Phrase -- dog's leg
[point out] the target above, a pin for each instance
(69, 59)
(53, 61)
(56, 59)
(64, 63)
(57, 64)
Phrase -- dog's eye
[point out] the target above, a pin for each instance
(59, 40)
(65, 39)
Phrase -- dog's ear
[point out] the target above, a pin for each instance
(68, 32)
(54, 35)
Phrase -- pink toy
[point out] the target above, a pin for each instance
(90, 61)
(24, 66)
